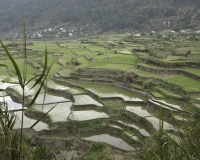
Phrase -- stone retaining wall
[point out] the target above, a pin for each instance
(175, 64)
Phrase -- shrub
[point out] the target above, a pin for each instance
(185, 144)
(43, 153)
(99, 151)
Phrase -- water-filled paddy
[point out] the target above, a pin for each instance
(156, 123)
(5, 85)
(59, 113)
(138, 111)
(158, 104)
(85, 100)
(169, 104)
(29, 122)
(50, 99)
(153, 120)
(113, 141)
(137, 127)
(103, 90)
(87, 115)
(11, 105)
(52, 84)
(28, 90)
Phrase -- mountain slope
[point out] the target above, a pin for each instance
(105, 14)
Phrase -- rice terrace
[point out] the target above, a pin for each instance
(120, 89)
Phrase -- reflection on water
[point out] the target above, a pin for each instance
(28, 122)
(161, 105)
(49, 99)
(87, 115)
(138, 110)
(168, 104)
(156, 123)
(60, 113)
(5, 85)
(52, 84)
(110, 91)
(85, 99)
(141, 130)
(114, 141)
(28, 92)
(10, 103)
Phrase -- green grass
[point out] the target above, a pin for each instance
(114, 104)
(157, 94)
(64, 73)
(82, 60)
(20, 63)
(116, 58)
(137, 86)
(107, 66)
(190, 85)
(170, 93)
(194, 71)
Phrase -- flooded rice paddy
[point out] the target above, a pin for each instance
(47, 99)
(63, 111)
(85, 100)
(113, 141)
(137, 127)
(59, 113)
(87, 115)
(103, 90)
(10, 104)
(28, 122)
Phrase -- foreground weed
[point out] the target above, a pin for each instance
(184, 144)
(12, 140)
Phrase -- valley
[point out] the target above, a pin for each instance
(106, 88)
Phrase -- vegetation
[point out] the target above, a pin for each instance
(99, 151)
(12, 143)
(127, 82)
(102, 15)
(183, 145)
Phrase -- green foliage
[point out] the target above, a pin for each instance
(126, 77)
(11, 140)
(99, 151)
(148, 84)
(185, 144)
(43, 153)
(108, 15)
(75, 62)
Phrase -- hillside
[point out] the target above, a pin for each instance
(104, 15)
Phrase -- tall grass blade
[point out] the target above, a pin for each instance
(44, 70)
(36, 95)
(3, 65)
(73, 156)
(25, 54)
(44, 95)
(32, 79)
(14, 64)
(42, 117)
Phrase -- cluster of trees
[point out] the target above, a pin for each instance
(106, 15)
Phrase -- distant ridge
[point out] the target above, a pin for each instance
(105, 15)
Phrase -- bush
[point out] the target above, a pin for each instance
(185, 144)
(148, 84)
(99, 151)
(43, 153)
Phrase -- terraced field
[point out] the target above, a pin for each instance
(106, 88)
